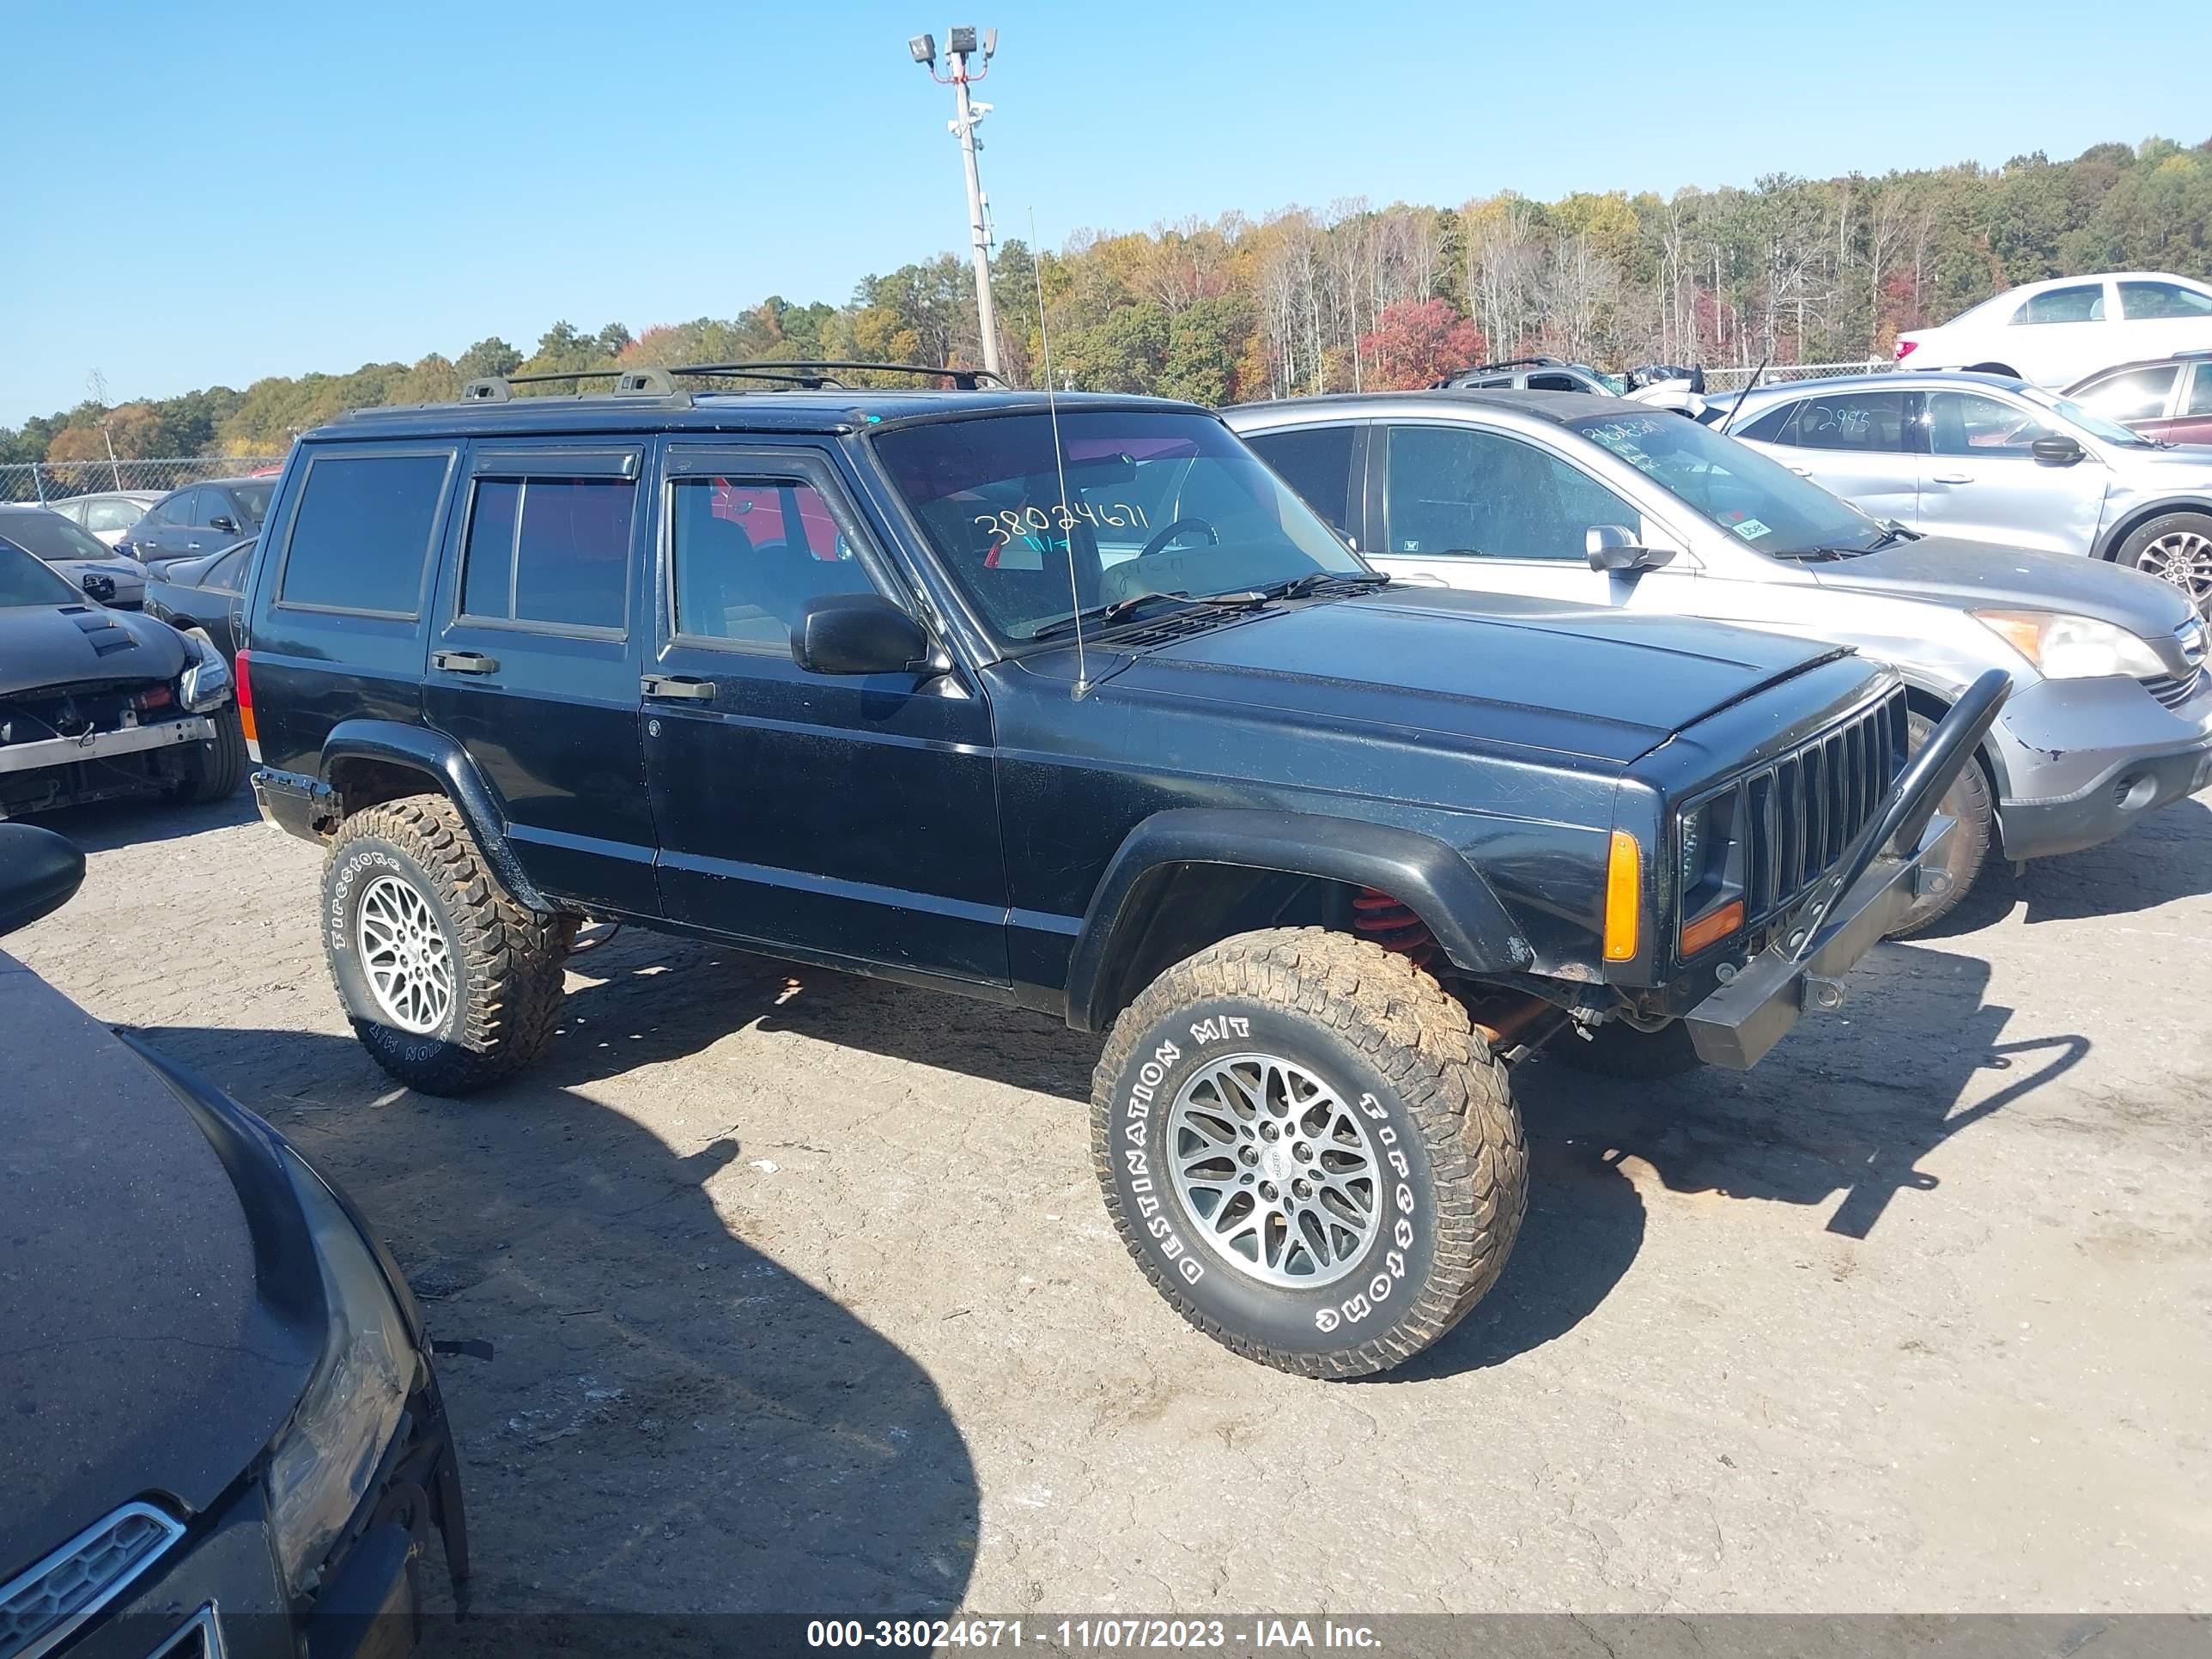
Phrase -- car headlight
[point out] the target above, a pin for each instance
(2073, 648)
(205, 683)
(1709, 846)
(323, 1463)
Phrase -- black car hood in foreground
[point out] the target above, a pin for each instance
(136, 1356)
(1606, 685)
(63, 645)
(1976, 575)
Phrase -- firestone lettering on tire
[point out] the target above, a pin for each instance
(1361, 1304)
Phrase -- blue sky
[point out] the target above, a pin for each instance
(204, 194)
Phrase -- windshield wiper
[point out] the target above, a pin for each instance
(1298, 587)
(1103, 614)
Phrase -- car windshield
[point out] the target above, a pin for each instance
(50, 536)
(1761, 501)
(25, 581)
(2098, 426)
(1154, 502)
(253, 499)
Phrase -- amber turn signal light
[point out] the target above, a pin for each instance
(1623, 884)
(1712, 927)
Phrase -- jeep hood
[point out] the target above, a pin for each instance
(1974, 575)
(1606, 685)
(136, 1356)
(56, 645)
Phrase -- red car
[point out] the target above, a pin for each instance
(2167, 397)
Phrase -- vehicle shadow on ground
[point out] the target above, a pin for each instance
(2167, 856)
(104, 826)
(654, 1417)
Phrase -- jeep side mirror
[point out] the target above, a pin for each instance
(2057, 449)
(39, 873)
(1614, 547)
(858, 634)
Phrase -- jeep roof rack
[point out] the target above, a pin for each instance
(654, 380)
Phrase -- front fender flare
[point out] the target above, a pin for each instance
(448, 765)
(1448, 894)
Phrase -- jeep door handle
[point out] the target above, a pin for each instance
(678, 685)
(465, 662)
(1952, 477)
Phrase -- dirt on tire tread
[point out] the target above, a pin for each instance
(1418, 1037)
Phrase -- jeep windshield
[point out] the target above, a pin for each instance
(1131, 505)
(1757, 499)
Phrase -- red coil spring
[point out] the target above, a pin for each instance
(1390, 924)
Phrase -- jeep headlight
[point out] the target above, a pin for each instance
(2067, 647)
(323, 1463)
(205, 684)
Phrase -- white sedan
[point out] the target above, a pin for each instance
(2053, 334)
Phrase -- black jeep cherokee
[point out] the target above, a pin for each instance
(1072, 707)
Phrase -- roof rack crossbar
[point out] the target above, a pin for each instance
(654, 380)
(815, 372)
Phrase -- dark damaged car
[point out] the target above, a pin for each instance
(96, 703)
(1071, 706)
(222, 1437)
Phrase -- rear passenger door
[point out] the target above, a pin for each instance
(1862, 446)
(533, 665)
(849, 816)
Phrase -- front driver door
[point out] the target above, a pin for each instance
(851, 817)
(1979, 478)
(1473, 508)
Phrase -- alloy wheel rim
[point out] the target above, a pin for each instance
(405, 955)
(2183, 557)
(1275, 1171)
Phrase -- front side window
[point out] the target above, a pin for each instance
(1752, 496)
(2083, 304)
(252, 500)
(1454, 490)
(25, 581)
(1317, 462)
(1968, 423)
(2138, 395)
(1153, 502)
(749, 552)
(360, 537)
(1863, 420)
(550, 551)
(2149, 302)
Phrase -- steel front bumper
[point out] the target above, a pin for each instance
(1738, 1023)
(1848, 913)
(102, 745)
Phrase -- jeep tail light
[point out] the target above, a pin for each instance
(1624, 897)
(1905, 348)
(243, 682)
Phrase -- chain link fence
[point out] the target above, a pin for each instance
(1732, 380)
(56, 481)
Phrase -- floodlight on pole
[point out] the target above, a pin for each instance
(961, 48)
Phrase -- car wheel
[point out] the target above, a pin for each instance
(1973, 803)
(1619, 1050)
(450, 983)
(215, 769)
(2177, 548)
(1308, 1151)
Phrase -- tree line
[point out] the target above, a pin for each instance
(1354, 296)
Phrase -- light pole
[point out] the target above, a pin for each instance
(960, 48)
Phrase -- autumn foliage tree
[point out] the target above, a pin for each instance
(1418, 342)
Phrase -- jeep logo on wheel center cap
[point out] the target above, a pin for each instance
(1276, 1164)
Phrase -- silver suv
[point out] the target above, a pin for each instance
(1599, 503)
(1995, 459)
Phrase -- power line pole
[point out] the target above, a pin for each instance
(960, 46)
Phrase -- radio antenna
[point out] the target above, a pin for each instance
(1059, 459)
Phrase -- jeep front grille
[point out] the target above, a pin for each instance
(40, 1607)
(1808, 807)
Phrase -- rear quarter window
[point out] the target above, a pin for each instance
(361, 536)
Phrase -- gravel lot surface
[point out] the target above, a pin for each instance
(795, 1291)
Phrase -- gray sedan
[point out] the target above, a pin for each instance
(1989, 459)
(1593, 501)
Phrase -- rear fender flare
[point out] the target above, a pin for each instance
(446, 769)
(1455, 903)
